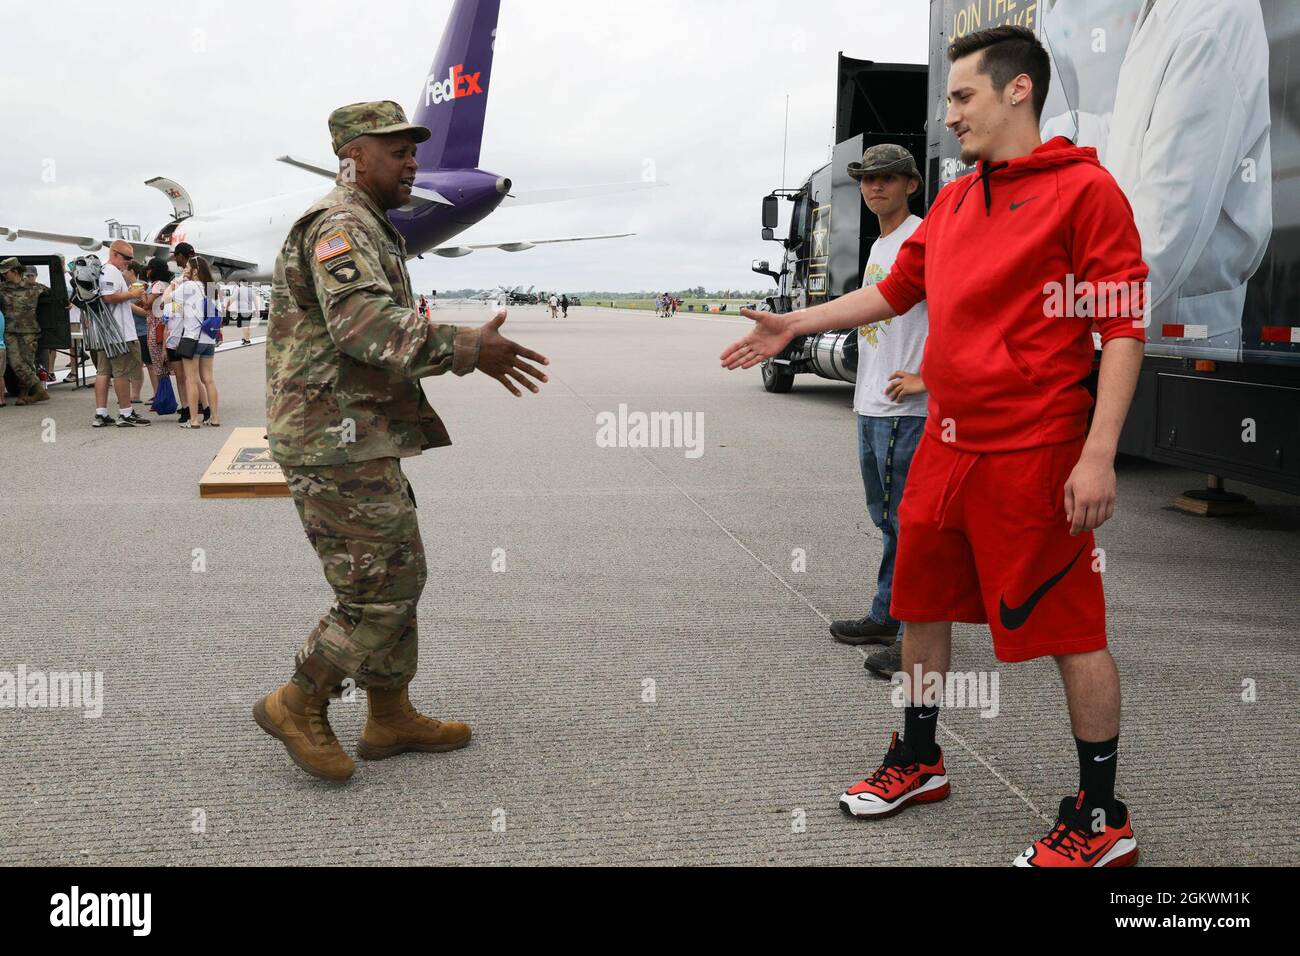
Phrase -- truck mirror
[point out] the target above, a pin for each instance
(769, 212)
(762, 268)
(768, 234)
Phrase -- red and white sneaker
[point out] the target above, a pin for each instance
(1073, 842)
(896, 784)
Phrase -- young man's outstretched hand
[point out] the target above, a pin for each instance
(503, 359)
(771, 334)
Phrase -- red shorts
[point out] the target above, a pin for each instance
(983, 538)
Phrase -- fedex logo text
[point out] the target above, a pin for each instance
(457, 84)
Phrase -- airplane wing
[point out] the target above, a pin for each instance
(532, 197)
(320, 169)
(87, 243)
(455, 252)
(92, 244)
(419, 195)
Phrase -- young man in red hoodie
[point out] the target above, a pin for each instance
(1015, 261)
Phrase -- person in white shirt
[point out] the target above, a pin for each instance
(115, 360)
(242, 304)
(194, 347)
(889, 397)
(174, 318)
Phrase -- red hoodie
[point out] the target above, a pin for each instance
(1000, 260)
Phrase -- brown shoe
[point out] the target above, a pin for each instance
(298, 720)
(395, 726)
(39, 394)
(26, 398)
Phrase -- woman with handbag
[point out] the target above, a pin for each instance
(202, 327)
(174, 319)
(194, 347)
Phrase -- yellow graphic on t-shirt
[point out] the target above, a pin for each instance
(871, 333)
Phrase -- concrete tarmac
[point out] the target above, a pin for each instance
(643, 657)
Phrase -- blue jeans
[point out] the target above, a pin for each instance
(885, 450)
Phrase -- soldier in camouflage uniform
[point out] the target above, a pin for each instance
(22, 333)
(345, 352)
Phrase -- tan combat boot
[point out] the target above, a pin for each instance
(39, 394)
(26, 398)
(297, 719)
(394, 726)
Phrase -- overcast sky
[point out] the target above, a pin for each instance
(582, 92)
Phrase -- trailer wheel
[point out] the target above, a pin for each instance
(776, 378)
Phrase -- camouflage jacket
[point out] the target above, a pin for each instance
(18, 303)
(345, 347)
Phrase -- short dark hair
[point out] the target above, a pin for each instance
(1008, 52)
(156, 270)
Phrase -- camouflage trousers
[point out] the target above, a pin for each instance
(22, 359)
(361, 520)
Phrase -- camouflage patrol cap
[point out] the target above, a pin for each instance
(374, 119)
(885, 158)
(10, 263)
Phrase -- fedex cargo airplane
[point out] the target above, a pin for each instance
(451, 192)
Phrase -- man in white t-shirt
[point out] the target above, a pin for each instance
(889, 398)
(241, 305)
(118, 357)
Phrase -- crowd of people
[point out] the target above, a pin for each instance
(134, 318)
(168, 324)
(666, 305)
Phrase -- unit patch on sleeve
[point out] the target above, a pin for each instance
(343, 270)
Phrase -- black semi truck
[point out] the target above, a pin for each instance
(830, 229)
(1220, 399)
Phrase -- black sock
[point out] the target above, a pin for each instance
(1097, 764)
(918, 732)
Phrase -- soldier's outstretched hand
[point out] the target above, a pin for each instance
(503, 359)
(769, 337)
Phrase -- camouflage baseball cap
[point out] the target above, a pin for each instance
(885, 158)
(374, 119)
(10, 263)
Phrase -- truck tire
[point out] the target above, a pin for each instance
(776, 378)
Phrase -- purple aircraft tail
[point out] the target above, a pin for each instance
(453, 99)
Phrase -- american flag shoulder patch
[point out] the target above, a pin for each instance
(333, 245)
